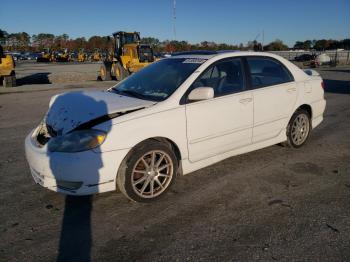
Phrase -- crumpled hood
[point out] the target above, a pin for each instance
(70, 110)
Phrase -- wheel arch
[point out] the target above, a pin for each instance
(307, 108)
(161, 139)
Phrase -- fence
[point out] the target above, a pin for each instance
(337, 57)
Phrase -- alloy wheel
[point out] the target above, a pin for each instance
(152, 174)
(300, 129)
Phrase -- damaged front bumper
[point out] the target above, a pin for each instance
(80, 173)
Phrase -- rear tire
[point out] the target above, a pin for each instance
(298, 129)
(148, 172)
(105, 71)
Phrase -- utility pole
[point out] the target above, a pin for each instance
(174, 19)
(263, 38)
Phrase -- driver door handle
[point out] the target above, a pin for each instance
(246, 100)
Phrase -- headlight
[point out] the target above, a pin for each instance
(77, 141)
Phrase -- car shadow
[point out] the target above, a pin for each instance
(34, 79)
(337, 86)
(76, 234)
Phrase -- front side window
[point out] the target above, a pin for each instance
(158, 81)
(267, 72)
(225, 77)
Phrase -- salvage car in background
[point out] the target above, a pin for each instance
(323, 59)
(173, 117)
(305, 58)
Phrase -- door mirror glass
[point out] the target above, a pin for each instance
(201, 93)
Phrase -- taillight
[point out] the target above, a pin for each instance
(322, 84)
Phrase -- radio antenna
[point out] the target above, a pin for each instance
(174, 19)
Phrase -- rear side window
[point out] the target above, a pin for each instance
(267, 72)
(225, 77)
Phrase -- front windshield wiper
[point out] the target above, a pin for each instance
(129, 93)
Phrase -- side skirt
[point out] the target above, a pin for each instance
(189, 167)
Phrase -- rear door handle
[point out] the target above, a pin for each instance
(246, 100)
(290, 90)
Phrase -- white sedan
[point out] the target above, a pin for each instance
(173, 117)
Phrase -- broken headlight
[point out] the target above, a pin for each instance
(77, 141)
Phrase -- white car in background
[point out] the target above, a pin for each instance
(173, 117)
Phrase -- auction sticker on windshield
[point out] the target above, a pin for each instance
(194, 61)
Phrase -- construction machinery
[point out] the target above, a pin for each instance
(82, 56)
(62, 56)
(7, 69)
(127, 56)
(96, 56)
(46, 56)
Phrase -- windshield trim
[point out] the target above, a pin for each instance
(154, 98)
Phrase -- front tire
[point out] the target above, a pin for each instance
(105, 71)
(299, 128)
(120, 72)
(148, 172)
(9, 81)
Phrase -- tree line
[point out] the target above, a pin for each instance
(22, 41)
(323, 44)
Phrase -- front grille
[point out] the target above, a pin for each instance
(69, 185)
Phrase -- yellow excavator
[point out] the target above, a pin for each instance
(7, 70)
(128, 56)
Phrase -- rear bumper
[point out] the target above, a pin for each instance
(81, 173)
(318, 109)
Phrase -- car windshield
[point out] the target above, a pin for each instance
(159, 80)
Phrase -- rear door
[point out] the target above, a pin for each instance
(274, 93)
(225, 122)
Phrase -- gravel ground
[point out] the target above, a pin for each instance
(32, 76)
(274, 204)
(30, 72)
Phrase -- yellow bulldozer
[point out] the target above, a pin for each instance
(127, 56)
(7, 70)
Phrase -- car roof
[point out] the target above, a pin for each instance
(201, 54)
(217, 55)
(204, 54)
(208, 55)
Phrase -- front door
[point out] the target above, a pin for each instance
(225, 122)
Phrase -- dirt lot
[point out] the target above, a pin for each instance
(272, 204)
(30, 72)
(32, 76)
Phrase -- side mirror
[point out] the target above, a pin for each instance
(201, 93)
